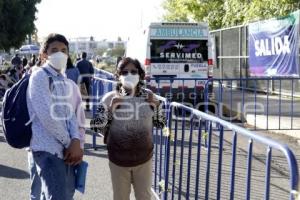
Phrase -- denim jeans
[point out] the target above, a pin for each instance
(35, 181)
(56, 179)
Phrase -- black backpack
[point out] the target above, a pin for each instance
(15, 117)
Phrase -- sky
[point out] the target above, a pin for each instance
(102, 19)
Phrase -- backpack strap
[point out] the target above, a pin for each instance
(51, 85)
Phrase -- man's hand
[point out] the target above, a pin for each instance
(115, 102)
(73, 154)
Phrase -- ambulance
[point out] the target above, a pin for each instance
(177, 57)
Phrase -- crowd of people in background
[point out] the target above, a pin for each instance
(18, 66)
(22, 65)
(57, 145)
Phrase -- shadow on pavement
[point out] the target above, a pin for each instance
(92, 152)
(2, 139)
(9, 172)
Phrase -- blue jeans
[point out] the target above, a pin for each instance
(57, 179)
(36, 185)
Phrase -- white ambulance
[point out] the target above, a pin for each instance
(174, 50)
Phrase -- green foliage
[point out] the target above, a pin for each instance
(176, 10)
(226, 13)
(100, 51)
(16, 21)
(264, 9)
(235, 11)
(117, 51)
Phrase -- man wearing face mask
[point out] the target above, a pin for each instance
(55, 142)
(126, 117)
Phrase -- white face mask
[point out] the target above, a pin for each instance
(130, 81)
(58, 60)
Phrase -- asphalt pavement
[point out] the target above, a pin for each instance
(14, 176)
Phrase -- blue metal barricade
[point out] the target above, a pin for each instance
(200, 156)
(237, 163)
(264, 103)
(102, 83)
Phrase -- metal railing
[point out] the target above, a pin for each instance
(200, 156)
(231, 165)
(258, 103)
(102, 83)
(271, 107)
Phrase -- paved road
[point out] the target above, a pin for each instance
(279, 185)
(14, 177)
(262, 111)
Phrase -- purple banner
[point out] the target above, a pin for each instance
(274, 47)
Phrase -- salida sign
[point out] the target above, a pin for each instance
(273, 47)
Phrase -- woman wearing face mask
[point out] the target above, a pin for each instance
(127, 116)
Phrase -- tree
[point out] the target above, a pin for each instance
(117, 51)
(16, 21)
(194, 10)
(226, 13)
(264, 9)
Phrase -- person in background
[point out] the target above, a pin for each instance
(5, 83)
(39, 62)
(32, 60)
(126, 117)
(86, 70)
(13, 74)
(24, 61)
(16, 60)
(56, 138)
(72, 72)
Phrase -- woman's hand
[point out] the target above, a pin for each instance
(115, 102)
(152, 99)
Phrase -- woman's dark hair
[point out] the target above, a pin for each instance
(54, 37)
(69, 63)
(123, 63)
(24, 61)
(118, 60)
(32, 61)
(39, 61)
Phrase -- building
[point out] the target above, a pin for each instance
(90, 46)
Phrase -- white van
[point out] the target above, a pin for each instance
(174, 50)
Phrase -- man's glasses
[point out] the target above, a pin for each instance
(125, 72)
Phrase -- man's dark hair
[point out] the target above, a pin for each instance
(69, 63)
(83, 55)
(54, 37)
